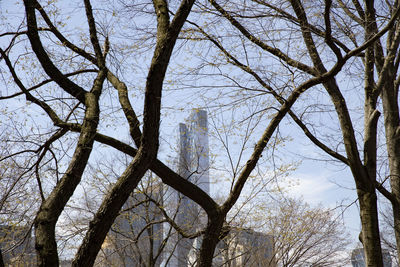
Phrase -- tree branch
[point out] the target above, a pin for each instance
(274, 51)
(48, 66)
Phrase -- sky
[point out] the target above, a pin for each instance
(318, 182)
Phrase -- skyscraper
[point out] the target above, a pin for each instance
(193, 164)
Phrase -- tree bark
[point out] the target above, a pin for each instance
(370, 227)
(1, 259)
(392, 130)
(210, 240)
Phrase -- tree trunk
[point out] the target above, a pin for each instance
(392, 130)
(45, 242)
(1, 259)
(370, 227)
(210, 241)
(52, 207)
(108, 211)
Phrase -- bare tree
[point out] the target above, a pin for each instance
(73, 80)
(83, 116)
(303, 39)
(306, 236)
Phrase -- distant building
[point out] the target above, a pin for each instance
(16, 246)
(358, 259)
(193, 164)
(246, 247)
(135, 238)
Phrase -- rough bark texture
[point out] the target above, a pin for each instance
(370, 224)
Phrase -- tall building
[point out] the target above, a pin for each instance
(193, 164)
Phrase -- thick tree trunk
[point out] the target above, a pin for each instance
(51, 208)
(370, 228)
(364, 175)
(211, 238)
(45, 242)
(392, 130)
(1, 259)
